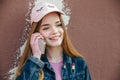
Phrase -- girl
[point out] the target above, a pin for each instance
(60, 60)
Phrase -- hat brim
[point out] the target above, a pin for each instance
(38, 18)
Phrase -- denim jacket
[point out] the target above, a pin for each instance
(72, 69)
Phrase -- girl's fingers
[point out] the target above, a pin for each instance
(35, 37)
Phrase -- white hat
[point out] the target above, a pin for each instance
(42, 9)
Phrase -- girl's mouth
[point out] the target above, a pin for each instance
(55, 37)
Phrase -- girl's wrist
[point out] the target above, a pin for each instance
(37, 56)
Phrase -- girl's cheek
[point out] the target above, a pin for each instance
(46, 35)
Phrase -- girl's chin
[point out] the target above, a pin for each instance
(54, 44)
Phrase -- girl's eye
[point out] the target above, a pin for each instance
(59, 25)
(45, 28)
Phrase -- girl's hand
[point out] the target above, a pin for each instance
(34, 44)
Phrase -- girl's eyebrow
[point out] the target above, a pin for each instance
(45, 25)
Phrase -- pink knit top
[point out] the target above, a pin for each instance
(57, 68)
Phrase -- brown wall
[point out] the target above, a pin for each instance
(12, 23)
(94, 29)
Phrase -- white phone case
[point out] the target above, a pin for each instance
(42, 44)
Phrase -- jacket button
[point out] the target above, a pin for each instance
(64, 66)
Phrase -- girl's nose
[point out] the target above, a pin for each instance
(54, 30)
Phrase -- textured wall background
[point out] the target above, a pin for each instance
(94, 29)
(12, 22)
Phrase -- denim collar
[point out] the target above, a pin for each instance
(66, 58)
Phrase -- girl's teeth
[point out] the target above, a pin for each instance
(54, 38)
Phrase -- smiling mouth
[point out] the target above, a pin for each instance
(55, 38)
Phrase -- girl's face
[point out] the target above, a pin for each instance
(51, 29)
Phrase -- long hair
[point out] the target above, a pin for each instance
(66, 44)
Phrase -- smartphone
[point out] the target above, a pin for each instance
(42, 45)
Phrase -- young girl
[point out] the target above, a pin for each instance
(60, 60)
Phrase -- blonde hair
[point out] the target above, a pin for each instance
(66, 44)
